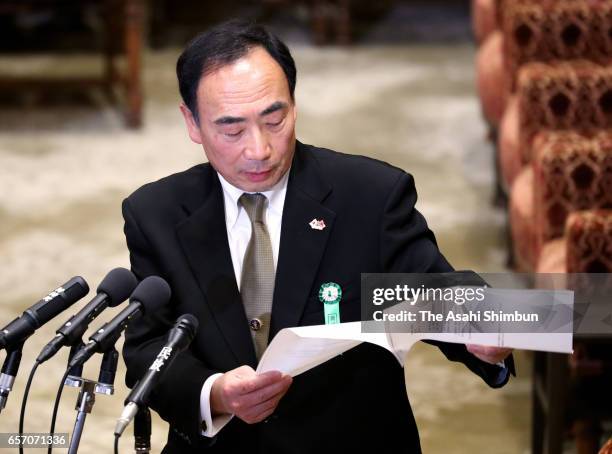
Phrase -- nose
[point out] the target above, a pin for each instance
(258, 147)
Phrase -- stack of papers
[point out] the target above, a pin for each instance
(296, 350)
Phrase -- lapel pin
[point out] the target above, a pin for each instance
(317, 224)
(330, 295)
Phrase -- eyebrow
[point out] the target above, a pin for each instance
(227, 120)
(278, 105)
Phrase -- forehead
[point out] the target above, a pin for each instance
(253, 79)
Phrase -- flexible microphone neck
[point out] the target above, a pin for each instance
(71, 333)
(9, 372)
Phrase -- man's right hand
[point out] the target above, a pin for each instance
(250, 396)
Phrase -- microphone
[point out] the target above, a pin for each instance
(179, 338)
(115, 288)
(149, 296)
(16, 332)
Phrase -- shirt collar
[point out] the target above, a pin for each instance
(231, 194)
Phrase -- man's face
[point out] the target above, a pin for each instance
(246, 121)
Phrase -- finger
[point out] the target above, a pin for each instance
(479, 348)
(251, 384)
(496, 352)
(263, 394)
(264, 409)
(487, 350)
(492, 358)
(259, 417)
(265, 415)
(242, 404)
(243, 372)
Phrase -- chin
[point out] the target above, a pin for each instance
(257, 187)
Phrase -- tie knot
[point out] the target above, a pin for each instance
(254, 205)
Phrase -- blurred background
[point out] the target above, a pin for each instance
(498, 108)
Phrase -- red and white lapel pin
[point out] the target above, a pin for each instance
(317, 224)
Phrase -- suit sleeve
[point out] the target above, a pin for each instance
(176, 397)
(407, 245)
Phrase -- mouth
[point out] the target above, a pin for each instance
(258, 176)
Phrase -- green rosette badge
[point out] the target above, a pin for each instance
(330, 295)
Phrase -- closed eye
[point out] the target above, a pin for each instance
(233, 134)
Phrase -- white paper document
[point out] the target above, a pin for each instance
(296, 350)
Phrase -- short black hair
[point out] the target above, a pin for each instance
(222, 45)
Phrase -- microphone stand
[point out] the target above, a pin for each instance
(142, 430)
(85, 403)
(74, 375)
(87, 395)
(9, 372)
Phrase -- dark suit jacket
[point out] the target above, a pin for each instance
(175, 228)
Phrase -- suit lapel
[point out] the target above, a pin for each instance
(203, 237)
(301, 246)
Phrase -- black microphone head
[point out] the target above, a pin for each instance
(58, 300)
(189, 323)
(118, 285)
(75, 289)
(153, 292)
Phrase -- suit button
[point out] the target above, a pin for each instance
(204, 426)
(255, 324)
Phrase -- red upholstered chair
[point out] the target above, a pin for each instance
(524, 34)
(573, 95)
(555, 159)
(548, 30)
(569, 172)
(588, 238)
(584, 381)
(586, 246)
(538, 31)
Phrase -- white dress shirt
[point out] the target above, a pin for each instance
(238, 228)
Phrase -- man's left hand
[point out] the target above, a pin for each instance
(491, 355)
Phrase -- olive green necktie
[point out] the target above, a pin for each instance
(257, 282)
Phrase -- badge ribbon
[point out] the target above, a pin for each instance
(330, 295)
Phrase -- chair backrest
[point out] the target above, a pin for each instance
(572, 172)
(573, 95)
(548, 30)
(589, 244)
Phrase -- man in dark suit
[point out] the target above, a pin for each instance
(310, 216)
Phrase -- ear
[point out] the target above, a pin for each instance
(193, 128)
